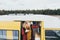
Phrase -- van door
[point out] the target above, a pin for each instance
(32, 30)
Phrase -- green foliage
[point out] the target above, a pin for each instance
(45, 12)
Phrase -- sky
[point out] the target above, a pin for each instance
(29, 4)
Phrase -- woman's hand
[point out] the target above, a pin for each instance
(27, 30)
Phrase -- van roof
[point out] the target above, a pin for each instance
(49, 21)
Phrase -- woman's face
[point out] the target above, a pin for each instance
(26, 24)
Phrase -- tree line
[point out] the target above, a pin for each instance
(45, 12)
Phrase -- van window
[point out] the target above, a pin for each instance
(52, 34)
(15, 35)
(5, 35)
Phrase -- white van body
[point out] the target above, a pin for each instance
(49, 21)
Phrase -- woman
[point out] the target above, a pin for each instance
(25, 30)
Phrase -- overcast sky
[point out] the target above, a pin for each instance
(29, 4)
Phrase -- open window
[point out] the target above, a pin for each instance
(30, 30)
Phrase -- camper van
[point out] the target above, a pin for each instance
(29, 27)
